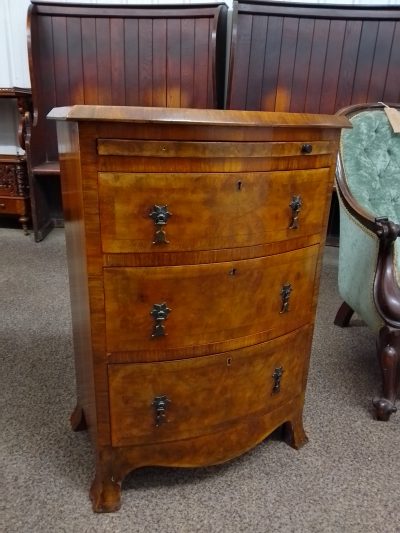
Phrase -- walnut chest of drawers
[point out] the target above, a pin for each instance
(194, 243)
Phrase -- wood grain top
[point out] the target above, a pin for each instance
(206, 117)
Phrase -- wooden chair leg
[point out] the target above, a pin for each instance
(343, 316)
(388, 348)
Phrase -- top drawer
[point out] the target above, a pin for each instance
(198, 149)
(213, 156)
(191, 212)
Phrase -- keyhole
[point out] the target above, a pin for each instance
(232, 272)
(239, 185)
(229, 361)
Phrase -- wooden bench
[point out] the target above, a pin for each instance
(306, 58)
(167, 56)
(313, 59)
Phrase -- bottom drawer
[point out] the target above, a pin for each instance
(168, 401)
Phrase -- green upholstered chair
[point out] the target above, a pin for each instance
(368, 186)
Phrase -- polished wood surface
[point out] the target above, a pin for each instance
(315, 59)
(206, 117)
(227, 363)
(206, 393)
(85, 413)
(233, 204)
(205, 150)
(210, 304)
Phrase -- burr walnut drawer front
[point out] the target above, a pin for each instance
(199, 211)
(155, 310)
(158, 402)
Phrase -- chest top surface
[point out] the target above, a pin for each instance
(207, 117)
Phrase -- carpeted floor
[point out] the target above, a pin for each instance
(346, 479)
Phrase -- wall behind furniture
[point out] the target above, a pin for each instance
(14, 71)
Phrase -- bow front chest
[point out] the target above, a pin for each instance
(194, 243)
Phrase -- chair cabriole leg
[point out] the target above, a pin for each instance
(388, 348)
(343, 316)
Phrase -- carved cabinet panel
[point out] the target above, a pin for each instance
(14, 187)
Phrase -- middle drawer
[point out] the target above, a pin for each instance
(191, 310)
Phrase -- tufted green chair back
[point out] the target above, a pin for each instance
(371, 159)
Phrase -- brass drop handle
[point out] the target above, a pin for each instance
(160, 404)
(286, 291)
(160, 216)
(306, 149)
(160, 314)
(277, 376)
(295, 206)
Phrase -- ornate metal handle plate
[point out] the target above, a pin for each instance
(295, 205)
(160, 404)
(160, 216)
(160, 314)
(277, 376)
(285, 295)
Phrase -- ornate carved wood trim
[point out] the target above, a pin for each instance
(386, 289)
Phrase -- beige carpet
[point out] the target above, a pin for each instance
(346, 479)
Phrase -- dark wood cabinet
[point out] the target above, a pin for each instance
(194, 242)
(14, 188)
